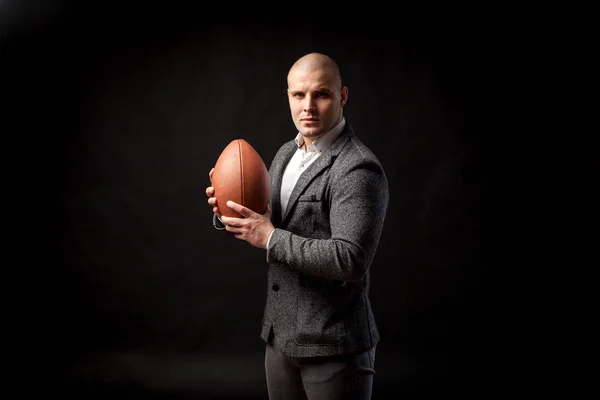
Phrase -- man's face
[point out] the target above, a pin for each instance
(316, 101)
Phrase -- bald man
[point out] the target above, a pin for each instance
(329, 199)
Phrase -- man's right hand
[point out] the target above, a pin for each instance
(210, 192)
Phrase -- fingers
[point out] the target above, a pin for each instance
(213, 202)
(210, 192)
(229, 224)
(234, 222)
(244, 211)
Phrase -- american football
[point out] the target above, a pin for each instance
(241, 175)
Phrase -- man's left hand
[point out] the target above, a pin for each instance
(254, 228)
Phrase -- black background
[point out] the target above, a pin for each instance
(118, 112)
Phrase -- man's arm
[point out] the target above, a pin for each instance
(359, 202)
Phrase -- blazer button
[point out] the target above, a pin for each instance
(275, 287)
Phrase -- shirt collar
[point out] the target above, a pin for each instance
(322, 143)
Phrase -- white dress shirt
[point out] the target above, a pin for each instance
(301, 160)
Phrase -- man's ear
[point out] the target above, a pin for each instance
(344, 95)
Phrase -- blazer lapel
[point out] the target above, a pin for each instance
(315, 169)
(277, 169)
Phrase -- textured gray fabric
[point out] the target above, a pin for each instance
(321, 250)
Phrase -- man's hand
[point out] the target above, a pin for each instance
(210, 192)
(254, 228)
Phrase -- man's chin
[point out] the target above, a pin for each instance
(311, 133)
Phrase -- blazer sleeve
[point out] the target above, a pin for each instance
(359, 201)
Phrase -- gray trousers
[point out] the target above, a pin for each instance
(348, 377)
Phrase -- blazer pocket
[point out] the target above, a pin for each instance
(309, 197)
(308, 211)
(312, 210)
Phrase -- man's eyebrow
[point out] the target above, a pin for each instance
(318, 90)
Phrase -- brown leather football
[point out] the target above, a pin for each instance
(241, 175)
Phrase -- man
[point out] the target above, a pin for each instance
(329, 199)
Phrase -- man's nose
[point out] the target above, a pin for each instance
(309, 104)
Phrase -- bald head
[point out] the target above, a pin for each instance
(317, 62)
(316, 95)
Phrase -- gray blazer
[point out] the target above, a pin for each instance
(320, 252)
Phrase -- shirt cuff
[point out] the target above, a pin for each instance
(269, 239)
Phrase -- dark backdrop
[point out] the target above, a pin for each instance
(118, 113)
